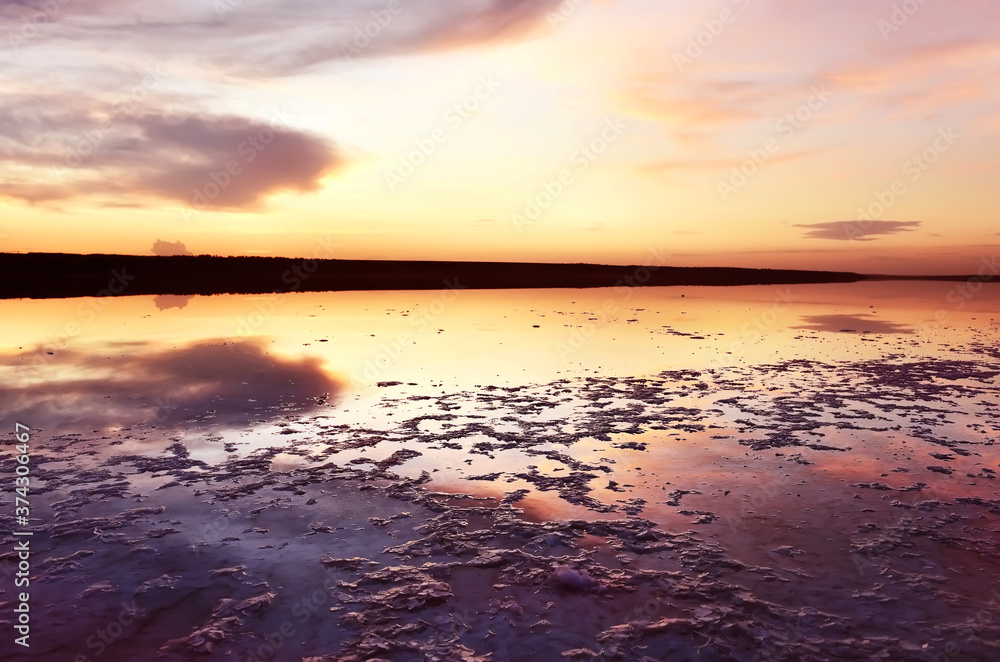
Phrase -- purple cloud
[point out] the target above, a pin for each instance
(856, 230)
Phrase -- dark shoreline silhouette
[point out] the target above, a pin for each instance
(63, 275)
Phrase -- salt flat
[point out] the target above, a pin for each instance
(749, 473)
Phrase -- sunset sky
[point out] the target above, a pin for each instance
(858, 135)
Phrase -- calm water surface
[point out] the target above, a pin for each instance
(795, 472)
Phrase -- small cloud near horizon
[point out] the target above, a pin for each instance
(168, 249)
(856, 230)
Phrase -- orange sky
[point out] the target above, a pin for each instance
(778, 133)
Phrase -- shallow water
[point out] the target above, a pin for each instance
(794, 472)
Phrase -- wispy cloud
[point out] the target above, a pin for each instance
(856, 230)
(277, 37)
(94, 130)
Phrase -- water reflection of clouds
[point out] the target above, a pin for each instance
(851, 324)
(167, 301)
(120, 384)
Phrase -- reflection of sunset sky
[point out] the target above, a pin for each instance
(778, 460)
(125, 383)
(852, 324)
(470, 341)
(817, 485)
(481, 337)
(297, 121)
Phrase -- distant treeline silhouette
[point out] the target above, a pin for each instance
(61, 275)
